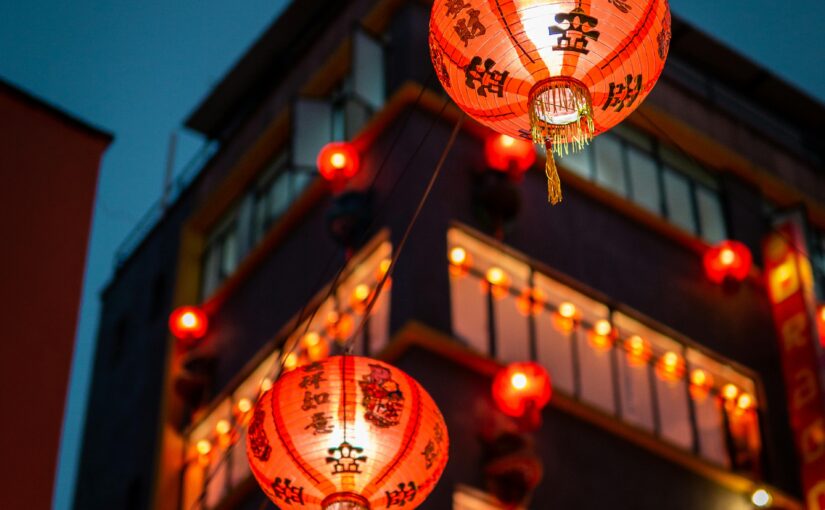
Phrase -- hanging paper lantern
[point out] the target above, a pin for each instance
(520, 388)
(348, 433)
(728, 260)
(557, 72)
(337, 163)
(510, 155)
(188, 324)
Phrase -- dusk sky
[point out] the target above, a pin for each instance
(137, 69)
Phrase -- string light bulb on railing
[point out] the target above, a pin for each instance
(670, 367)
(761, 498)
(531, 301)
(565, 317)
(347, 433)
(601, 336)
(497, 281)
(701, 383)
(459, 261)
(730, 392)
(638, 350)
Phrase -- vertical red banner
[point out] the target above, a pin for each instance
(789, 282)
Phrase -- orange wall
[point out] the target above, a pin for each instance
(48, 174)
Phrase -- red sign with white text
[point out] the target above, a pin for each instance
(790, 289)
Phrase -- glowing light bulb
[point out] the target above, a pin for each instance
(519, 381)
(761, 498)
(203, 447)
(244, 405)
(698, 377)
(266, 384)
(338, 159)
(458, 255)
(507, 141)
(495, 276)
(744, 402)
(188, 320)
(383, 267)
(730, 391)
(361, 292)
(311, 339)
(727, 256)
(602, 328)
(222, 427)
(291, 361)
(567, 310)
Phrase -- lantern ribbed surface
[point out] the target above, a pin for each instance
(552, 71)
(347, 433)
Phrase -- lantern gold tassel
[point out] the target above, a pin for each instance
(553, 182)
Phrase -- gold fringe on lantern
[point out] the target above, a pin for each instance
(561, 119)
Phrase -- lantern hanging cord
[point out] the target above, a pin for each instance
(410, 225)
(277, 366)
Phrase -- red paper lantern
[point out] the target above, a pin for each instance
(188, 324)
(338, 162)
(348, 433)
(557, 72)
(507, 154)
(728, 259)
(521, 388)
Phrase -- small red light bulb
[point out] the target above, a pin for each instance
(337, 163)
(521, 390)
(728, 260)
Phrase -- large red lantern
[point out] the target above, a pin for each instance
(557, 72)
(727, 260)
(521, 390)
(348, 433)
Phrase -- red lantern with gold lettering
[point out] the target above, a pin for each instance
(557, 72)
(348, 433)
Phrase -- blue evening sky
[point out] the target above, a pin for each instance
(138, 68)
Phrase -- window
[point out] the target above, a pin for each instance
(657, 178)
(635, 372)
(208, 441)
(221, 255)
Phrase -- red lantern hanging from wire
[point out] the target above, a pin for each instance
(521, 390)
(348, 433)
(338, 162)
(727, 260)
(557, 72)
(188, 324)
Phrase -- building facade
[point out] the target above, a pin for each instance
(668, 388)
(49, 161)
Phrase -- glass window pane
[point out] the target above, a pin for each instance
(578, 163)
(312, 130)
(211, 271)
(229, 258)
(710, 215)
(677, 194)
(300, 181)
(259, 217)
(279, 196)
(609, 165)
(643, 180)
(368, 69)
(637, 138)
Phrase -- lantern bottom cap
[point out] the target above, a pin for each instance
(345, 501)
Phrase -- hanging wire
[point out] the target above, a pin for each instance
(292, 339)
(410, 225)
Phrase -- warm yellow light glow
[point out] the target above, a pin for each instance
(384, 267)
(311, 339)
(458, 256)
(744, 402)
(507, 141)
(602, 328)
(567, 310)
(338, 160)
(496, 276)
(670, 361)
(266, 384)
(188, 320)
(761, 498)
(361, 292)
(636, 346)
(698, 377)
(727, 256)
(223, 427)
(204, 447)
(244, 405)
(730, 391)
(518, 381)
(291, 361)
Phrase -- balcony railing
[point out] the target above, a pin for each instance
(504, 307)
